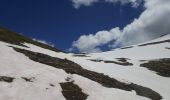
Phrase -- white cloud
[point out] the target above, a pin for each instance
(44, 42)
(78, 3)
(152, 23)
(90, 43)
(135, 3)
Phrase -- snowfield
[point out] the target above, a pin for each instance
(17, 65)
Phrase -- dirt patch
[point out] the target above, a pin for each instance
(6, 79)
(161, 66)
(73, 68)
(152, 43)
(72, 91)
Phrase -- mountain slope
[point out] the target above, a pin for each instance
(30, 71)
(14, 38)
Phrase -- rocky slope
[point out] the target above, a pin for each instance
(32, 70)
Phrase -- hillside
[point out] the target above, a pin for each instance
(34, 71)
(17, 39)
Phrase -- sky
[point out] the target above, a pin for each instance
(87, 25)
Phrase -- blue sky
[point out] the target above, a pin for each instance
(59, 22)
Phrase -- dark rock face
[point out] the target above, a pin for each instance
(6, 79)
(161, 66)
(73, 68)
(72, 91)
(152, 43)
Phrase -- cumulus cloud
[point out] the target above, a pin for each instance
(78, 3)
(44, 42)
(90, 43)
(152, 23)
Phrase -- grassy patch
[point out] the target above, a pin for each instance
(17, 39)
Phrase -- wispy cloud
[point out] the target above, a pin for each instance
(152, 23)
(78, 3)
(134, 3)
(44, 42)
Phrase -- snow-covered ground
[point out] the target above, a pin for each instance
(17, 65)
